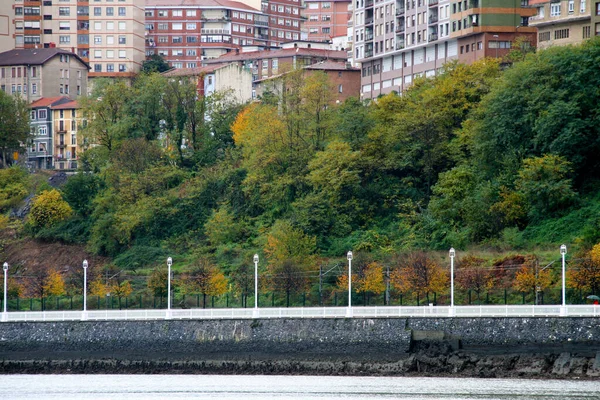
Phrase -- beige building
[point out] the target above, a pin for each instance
(66, 119)
(562, 22)
(7, 30)
(219, 78)
(37, 73)
(109, 34)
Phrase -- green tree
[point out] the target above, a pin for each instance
(14, 126)
(155, 63)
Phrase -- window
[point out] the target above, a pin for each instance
(177, 13)
(587, 32)
(97, 67)
(122, 11)
(582, 7)
(191, 53)
(122, 68)
(177, 26)
(110, 39)
(191, 39)
(97, 26)
(561, 34)
(122, 25)
(110, 11)
(97, 11)
(110, 67)
(162, 13)
(34, 88)
(555, 10)
(190, 13)
(98, 39)
(325, 30)
(64, 11)
(122, 54)
(340, 88)
(43, 131)
(163, 27)
(190, 26)
(97, 53)
(42, 114)
(64, 39)
(543, 36)
(110, 54)
(122, 39)
(33, 115)
(177, 39)
(571, 6)
(326, 5)
(110, 26)
(64, 26)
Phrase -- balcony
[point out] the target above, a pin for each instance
(368, 37)
(368, 53)
(400, 28)
(369, 21)
(433, 3)
(433, 19)
(400, 11)
(474, 4)
(61, 145)
(399, 45)
(433, 37)
(368, 3)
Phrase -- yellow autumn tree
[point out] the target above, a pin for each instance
(99, 288)
(49, 208)
(370, 280)
(584, 274)
(531, 278)
(121, 290)
(55, 284)
(419, 274)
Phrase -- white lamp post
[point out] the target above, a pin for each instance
(85, 266)
(5, 268)
(255, 313)
(452, 255)
(563, 252)
(169, 263)
(349, 311)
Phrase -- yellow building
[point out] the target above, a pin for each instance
(563, 22)
(66, 120)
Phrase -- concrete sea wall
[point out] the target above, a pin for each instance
(391, 346)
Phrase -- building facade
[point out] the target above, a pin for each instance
(66, 120)
(185, 32)
(398, 41)
(37, 73)
(232, 78)
(7, 28)
(562, 22)
(325, 20)
(109, 34)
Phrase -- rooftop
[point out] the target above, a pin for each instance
(279, 53)
(34, 56)
(199, 4)
(50, 102)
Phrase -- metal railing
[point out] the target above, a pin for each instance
(523, 311)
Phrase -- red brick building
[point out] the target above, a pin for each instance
(326, 19)
(185, 32)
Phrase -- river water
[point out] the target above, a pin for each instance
(250, 387)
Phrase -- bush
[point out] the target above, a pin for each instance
(141, 257)
(49, 208)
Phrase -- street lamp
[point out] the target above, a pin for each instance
(349, 312)
(85, 266)
(563, 252)
(169, 263)
(452, 255)
(255, 285)
(5, 268)
(497, 44)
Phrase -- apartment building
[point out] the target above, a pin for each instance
(398, 41)
(562, 22)
(7, 28)
(109, 34)
(344, 78)
(37, 73)
(185, 32)
(218, 78)
(40, 150)
(66, 120)
(325, 20)
(268, 63)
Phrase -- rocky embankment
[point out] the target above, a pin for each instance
(556, 348)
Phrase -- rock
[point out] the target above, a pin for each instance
(562, 365)
(594, 366)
